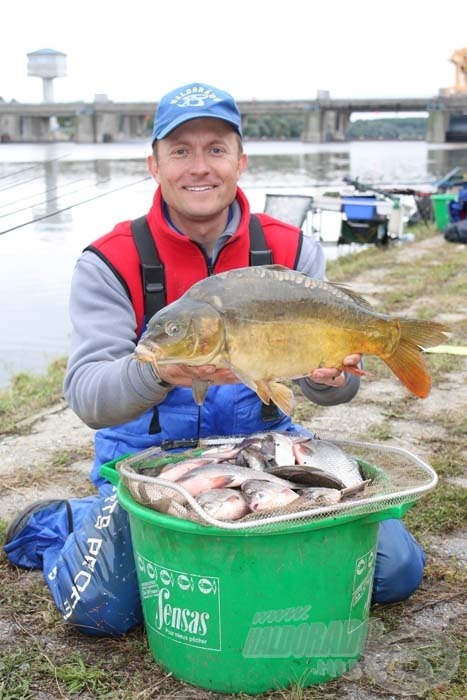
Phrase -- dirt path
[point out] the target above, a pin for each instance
(54, 456)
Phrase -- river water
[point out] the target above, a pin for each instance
(92, 187)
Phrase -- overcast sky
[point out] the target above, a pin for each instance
(261, 49)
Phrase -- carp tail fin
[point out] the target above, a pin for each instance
(407, 361)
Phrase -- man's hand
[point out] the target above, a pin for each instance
(183, 375)
(334, 377)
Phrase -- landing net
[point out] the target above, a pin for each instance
(396, 477)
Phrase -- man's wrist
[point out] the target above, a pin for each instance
(160, 382)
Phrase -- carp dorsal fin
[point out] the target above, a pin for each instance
(357, 298)
(275, 266)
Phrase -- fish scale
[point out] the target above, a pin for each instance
(223, 475)
(328, 457)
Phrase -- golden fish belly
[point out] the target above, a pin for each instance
(282, 349)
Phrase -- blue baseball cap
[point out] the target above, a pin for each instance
(192, 102)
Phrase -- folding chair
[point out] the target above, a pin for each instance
(292, 208)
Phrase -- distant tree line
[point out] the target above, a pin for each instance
(403, 128)
(291, 127)
(274, 127)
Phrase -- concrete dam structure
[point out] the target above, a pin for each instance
(324, 119)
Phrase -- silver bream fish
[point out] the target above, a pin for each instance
(325, 455)
(263, 495)
(224, 504)
(223, 475)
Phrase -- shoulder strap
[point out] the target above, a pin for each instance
(153, 278)
(261, 255)
(152, 270)
(259, 251)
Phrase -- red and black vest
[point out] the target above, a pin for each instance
(183, 261)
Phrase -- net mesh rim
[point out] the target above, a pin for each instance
(356, 507)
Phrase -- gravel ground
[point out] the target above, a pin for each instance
(432, 617)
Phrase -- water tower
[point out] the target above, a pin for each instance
(47, 64)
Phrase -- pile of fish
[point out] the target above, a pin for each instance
(261, 474)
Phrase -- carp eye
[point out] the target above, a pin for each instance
(171, 328)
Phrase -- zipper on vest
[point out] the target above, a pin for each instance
(207, 260)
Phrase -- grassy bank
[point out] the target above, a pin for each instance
(42, 659)
(28, 394)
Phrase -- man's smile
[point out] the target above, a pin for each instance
(199, 188)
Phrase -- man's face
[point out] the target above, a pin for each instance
(198, 166)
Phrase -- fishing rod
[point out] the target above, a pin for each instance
(30, 167)
(71, 206)
(36, 194)
(394, 194)
(457, 183)
(361, 187)
(51, 199)
(445, 181)
(25, 182)
(440, 184)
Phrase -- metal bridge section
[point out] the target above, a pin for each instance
(325, 119)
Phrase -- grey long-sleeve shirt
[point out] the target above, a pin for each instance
(104, 384)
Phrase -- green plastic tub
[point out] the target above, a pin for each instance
(440, 208)
(250, 611)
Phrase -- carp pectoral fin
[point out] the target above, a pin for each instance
(263, 391)
(279, 393)
(269, 391)
(199, 388)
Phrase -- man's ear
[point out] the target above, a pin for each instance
(153, 168)
(242, 164)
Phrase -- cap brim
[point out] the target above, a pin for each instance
(189, 116)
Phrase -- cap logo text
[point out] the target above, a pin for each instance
(195, 97)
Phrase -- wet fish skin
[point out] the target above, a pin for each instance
(264, 496)
(224, 504)
(267, 447)
(222, 475)
(283, 452)
(305, 475)
(269, 323)
(325, 455)
(222, 454)
(173, 472)
(254, 458)
(324, 496)
(318, 497)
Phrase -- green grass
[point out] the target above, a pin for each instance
(29, 393)
(345, 267)
(441, 511)
(44, 658)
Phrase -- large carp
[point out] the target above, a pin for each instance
(269, 323)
